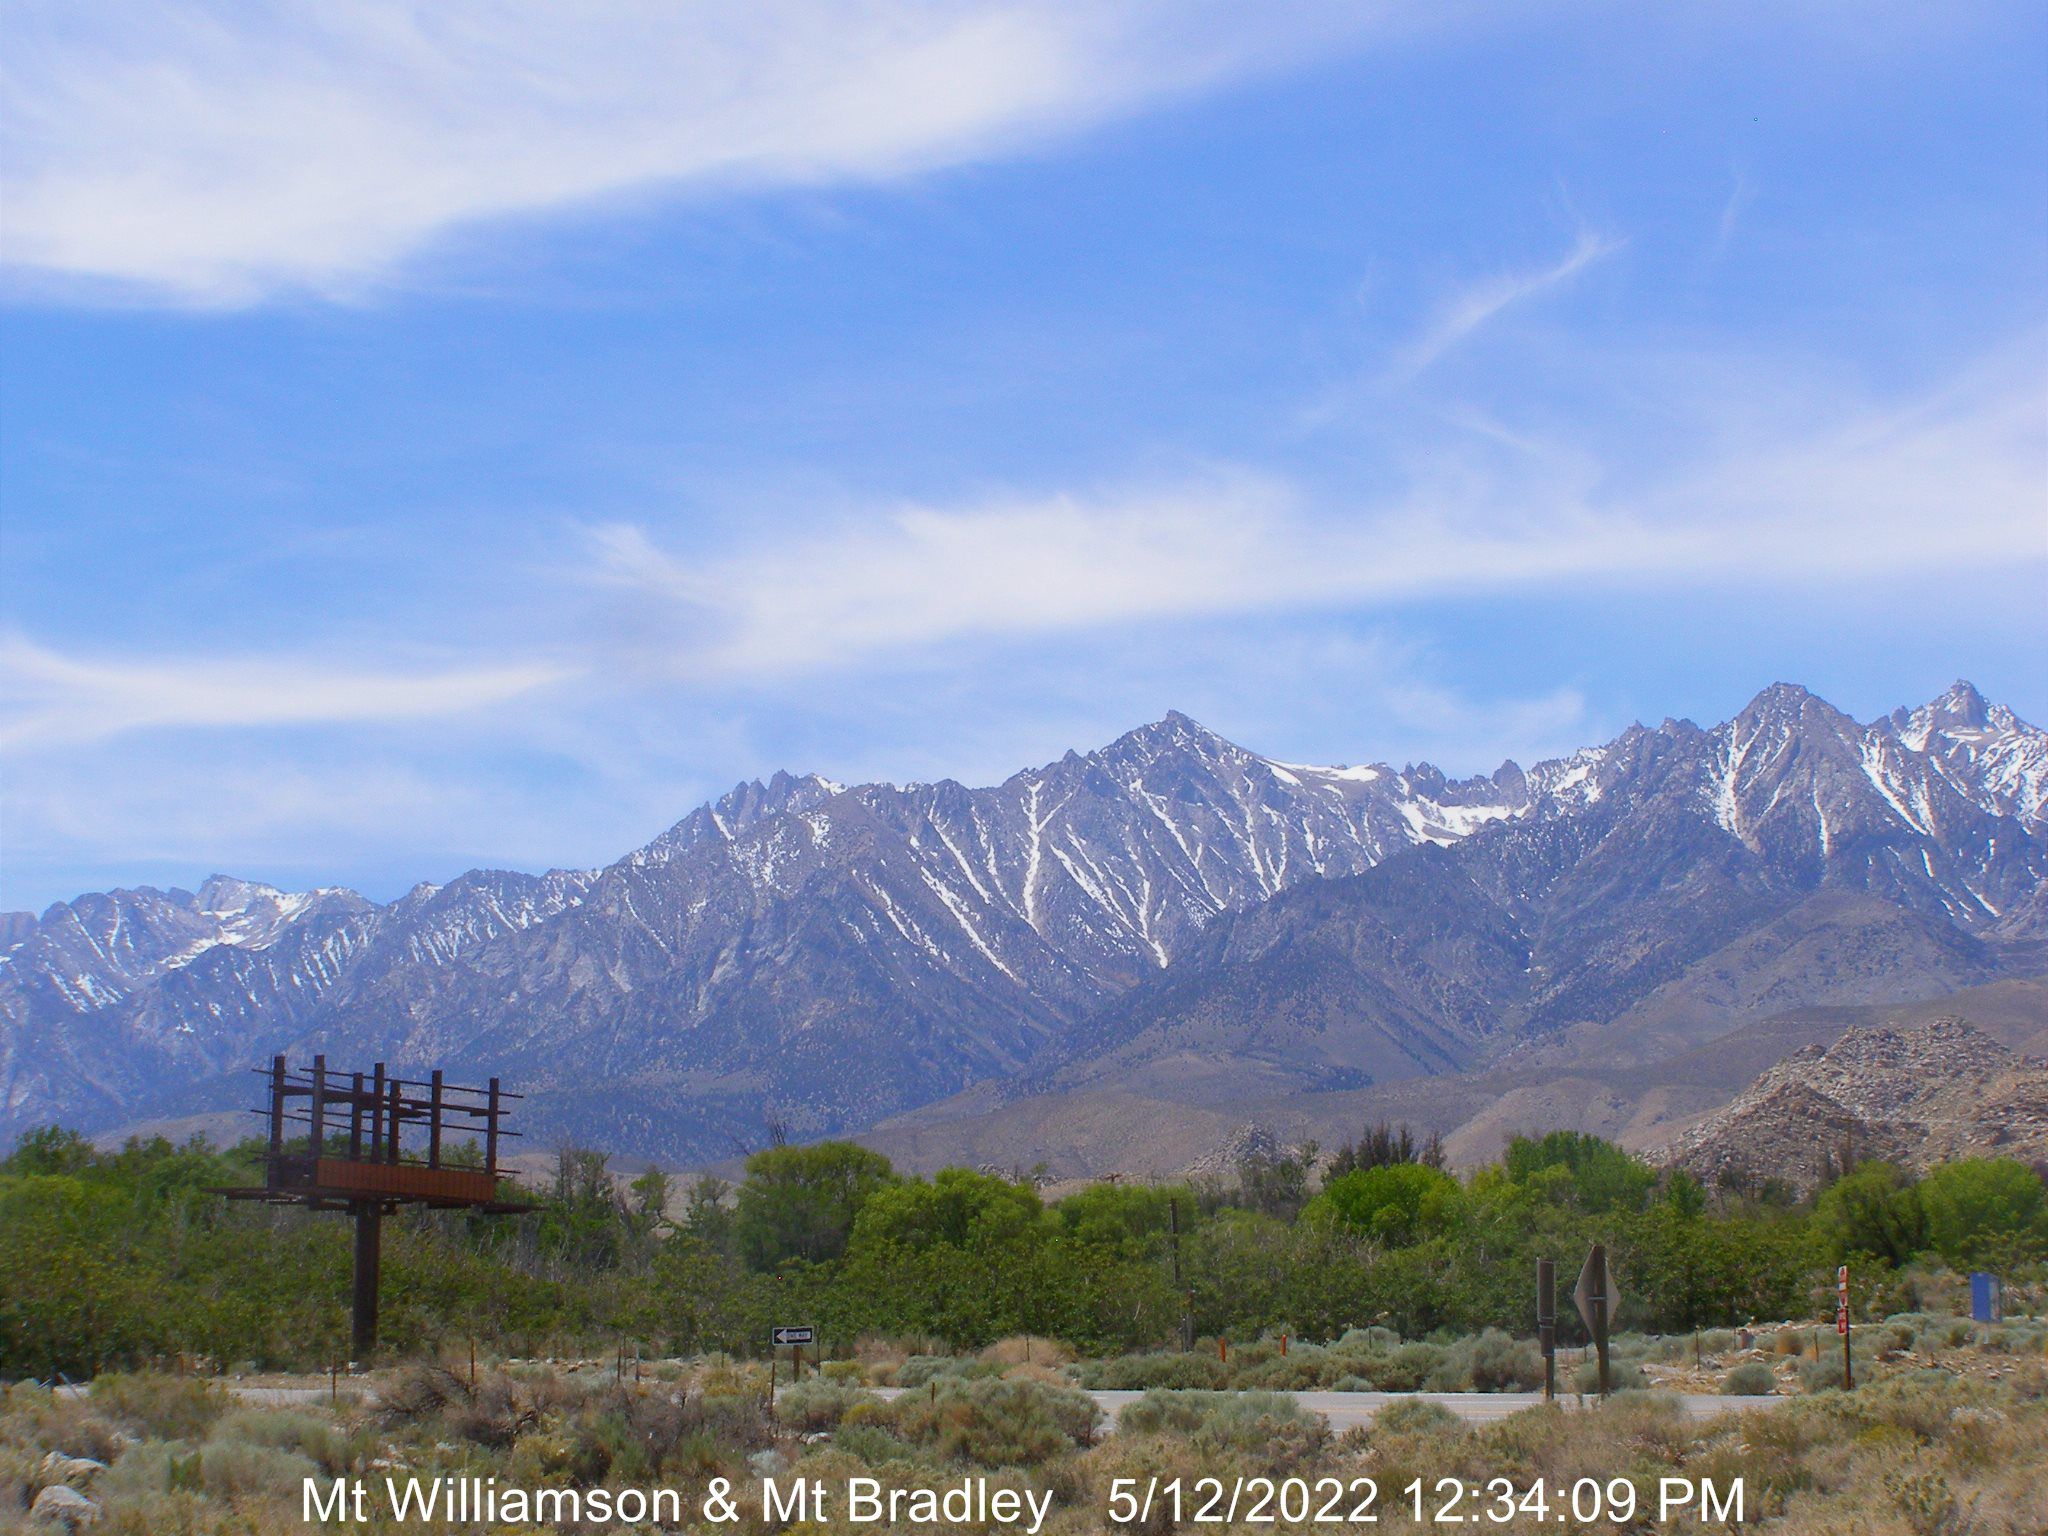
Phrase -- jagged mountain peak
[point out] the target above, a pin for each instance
(1960, 712)
(1171, 732)
(739, 810)
(1789, 706)
(1982, 750)
(839, 952)
(1962, 704)
(230, 893)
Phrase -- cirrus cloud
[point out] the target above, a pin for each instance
(1952, 481)
(220, 153)
(49, 698)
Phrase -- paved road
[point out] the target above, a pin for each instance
(1348, 1410)
(262, 1397)
(1341, 1410)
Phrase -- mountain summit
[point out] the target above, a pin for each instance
(826, 955)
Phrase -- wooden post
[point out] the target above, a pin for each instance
(472, 1362)
(377, 1113)
(319, 1115)
(276, 1106)
(1599, 1298)
(397, 1105)
(434, 1122)
(491, 1133)
(355, 1118)
(369, 1216)
(1600, 1339)
(1546, 1323)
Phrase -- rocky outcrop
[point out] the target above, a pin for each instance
(1914, 1097)
(1247, 1144)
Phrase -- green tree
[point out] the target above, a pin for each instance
(1985, 1209)
(51, 1149)
(1685, 1194)
(1872, 1212)
(707, 1213)
(959, 1208)
(1382, 1144)
(1395, 1202)
(650, 1194)
(1276, 1183)
(1602, 1176)
(1124, 1215)
(802, 1202)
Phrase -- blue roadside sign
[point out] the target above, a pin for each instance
(1986, 1302)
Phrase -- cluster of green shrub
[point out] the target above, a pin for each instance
(1918, 1451)
(125, 1256)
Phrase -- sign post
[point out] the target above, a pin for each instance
(1546, 1323)
(1596, 1296)
(362, 1168)
(1842, 1325)
(1986, 1304)
(794, 1337)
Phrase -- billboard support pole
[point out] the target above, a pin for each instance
(369, 1216)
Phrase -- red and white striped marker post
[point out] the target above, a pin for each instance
(1842, 1324)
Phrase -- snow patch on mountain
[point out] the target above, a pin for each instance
(979, 918)
(1987, 753)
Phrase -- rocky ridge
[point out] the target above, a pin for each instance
(1914, 1097)
(825, 956)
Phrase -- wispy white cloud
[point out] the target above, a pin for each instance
(1739, 198)
(914, 575)
(218, 152)
(1473, 305)
(1948, 483)
(969, 639)
(49, 698)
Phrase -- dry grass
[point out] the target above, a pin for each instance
(1923, 1451)
(1029, 1349)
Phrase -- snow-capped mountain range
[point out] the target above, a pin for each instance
(825, 956)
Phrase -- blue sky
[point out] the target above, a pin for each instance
(447, 435)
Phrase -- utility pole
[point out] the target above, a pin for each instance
(1187, 1317)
